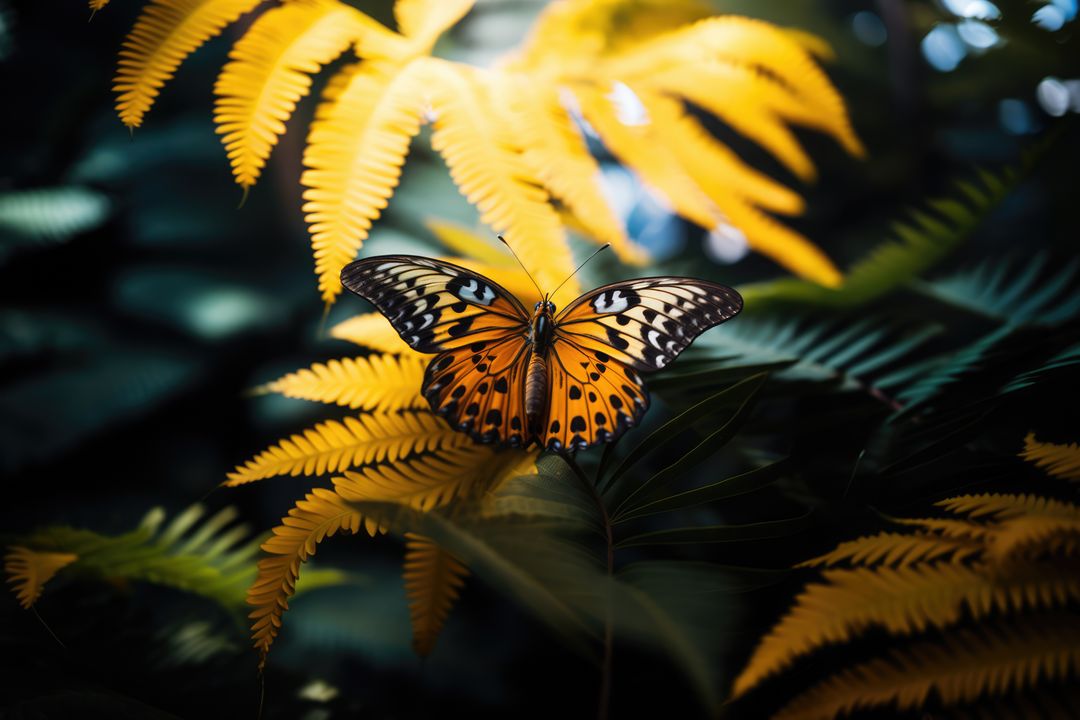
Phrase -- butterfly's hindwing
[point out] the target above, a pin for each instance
(479, 389)
(593, 398)
(646, 323)
(435, 305)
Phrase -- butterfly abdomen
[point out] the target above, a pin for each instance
(536, 391)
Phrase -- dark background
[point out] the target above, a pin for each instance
(127, 344)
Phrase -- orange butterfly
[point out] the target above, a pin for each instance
(565, 381)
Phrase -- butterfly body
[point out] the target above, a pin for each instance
(563, 381)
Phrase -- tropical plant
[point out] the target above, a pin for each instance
(633, 71)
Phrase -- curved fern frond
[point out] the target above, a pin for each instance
(1034, 535)
(897, 550)
(558, 154)
(1062, 461)
(334, 446)
(746, 42)
(318, 516)
(1014, 293)
(963, 666)
(424, 20)
(903, 600)
(269, 71)
(28, 571)
(434, 479)
(374, 331)
(379, 382)
(433, 580)
(999, 507)
(486, 162)
(947, 528)
(356, 148)
(96, 5)
(166, 32)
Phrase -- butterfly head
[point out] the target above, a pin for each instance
(544, 307)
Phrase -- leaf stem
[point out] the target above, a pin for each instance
(609, 632)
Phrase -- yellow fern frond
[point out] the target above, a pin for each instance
(999, 507)
(747, 42)
(373, 330)
(897, 550)
(334, 446)
(313, 519)
(902, 600)
(1032, 535)
(965, 665)
(948, 528)
(269, 71)
(379, 382)
(1061, 461)
(557, 153)
(166, 32)
(433, 580)
(637, 147)
(431, 480)
(357, 146)
(425, 20)
(96, 5)
(470, 243)
(28, 570)
(485, 159)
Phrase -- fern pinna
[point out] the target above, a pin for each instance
(507, 133)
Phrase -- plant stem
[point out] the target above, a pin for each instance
(609, 633)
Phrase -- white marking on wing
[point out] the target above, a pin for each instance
(475, 292)
(614, 304)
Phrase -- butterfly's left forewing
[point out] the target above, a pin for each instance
(478, 328)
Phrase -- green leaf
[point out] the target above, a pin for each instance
(719, 533)
(746, 392)
(728, 487)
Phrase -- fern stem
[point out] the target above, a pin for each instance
(609, 632)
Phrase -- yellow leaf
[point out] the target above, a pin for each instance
(433, 580)
(373, 330)
(434, 479)
(997, 506)
(485, 159)
(357, 146)
(269, 71)
(469, 243)
(379, 382)
(29, 570)
(896, 549)
(637, 147)
(425, 20)
(313, 519)
(334, 446)
(557, 153)
(903, 600)
(166, 32)
(963, 666)
(96, 5)
(1062, 461)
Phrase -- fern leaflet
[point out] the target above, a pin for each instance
(433, 580)
(425, 20)
(897, 550)
(28, 571)
(965, 665)
(334, 446)
(1062, 461)
(374, 331)
(380, 382)
(998, 507)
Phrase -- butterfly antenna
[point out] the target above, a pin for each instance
(522, 266)
(604, 247)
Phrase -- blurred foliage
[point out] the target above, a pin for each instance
(140, 305)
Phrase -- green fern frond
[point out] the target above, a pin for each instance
(433, 580)
(384, 383)
(965, 665)
(1063, 362)
(897, 550)
(1062, 461)
(1013, 292)
(903, 600)
(318, 516)
(28, 571)
(166, 32)
(49, 215)
(334, 446)
(921, 242)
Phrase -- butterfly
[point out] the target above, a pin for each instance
(564, 381)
